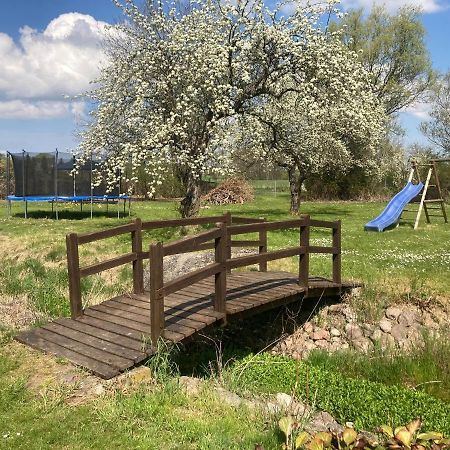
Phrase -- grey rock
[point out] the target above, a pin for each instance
(399, 332)
(336, 308)
(376, 335)
(363, 344)
(335, 332)
(191, 385)
(368, 329)
(392, 312)
(320, 334)
(385, 325)
(387, 341)
(353, 331)
(407, 318)
(98, 390)
(323, 422)
(322, 344)
(230, 398)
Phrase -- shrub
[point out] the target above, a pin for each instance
(365, 403)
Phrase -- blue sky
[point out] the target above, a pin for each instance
(50, 48)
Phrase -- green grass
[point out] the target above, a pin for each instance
(418, 261)
(424, 369)
(162, 417)
(366, 403)
(402, 264)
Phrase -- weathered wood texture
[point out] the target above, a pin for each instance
(111, 337)
(115, 335)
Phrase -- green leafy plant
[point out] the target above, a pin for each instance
(402, 438)
(365, 403)
(409, 437)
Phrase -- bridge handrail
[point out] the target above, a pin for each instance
(137, 255)
(221, 235)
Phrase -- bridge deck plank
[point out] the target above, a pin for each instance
(115, 335)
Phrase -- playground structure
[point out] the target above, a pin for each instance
(115, 335)
(425, 191)
(50, 178)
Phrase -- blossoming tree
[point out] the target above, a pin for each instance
(329, 121)
(180, 78)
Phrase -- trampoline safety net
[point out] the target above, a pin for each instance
(50, 174)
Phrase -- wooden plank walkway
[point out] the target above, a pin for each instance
(114, 336)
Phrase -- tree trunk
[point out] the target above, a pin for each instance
(294, 186)
(190, 205)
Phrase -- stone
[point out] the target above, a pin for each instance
(323, 422)
(320, 334)
(376, 335)
(363, 344)
(335, 339)
(335, 347)
(353, 331)
(230, 398)
(385, 325)
(392, 312)
(336, 308)
(407, 318)
(399, 332)
(335, 332)
(284, 400)
(349, 314)
(322, 344)
(308, 327)
(368, 329)
(98, 390)
(141, 374)
(387, 341)
(190, 384)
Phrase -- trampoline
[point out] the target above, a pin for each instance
(49, 178)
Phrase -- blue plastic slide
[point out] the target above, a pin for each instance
(393, 210)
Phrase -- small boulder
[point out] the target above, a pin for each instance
(335, 332)
(407, 318)
(399, 332)
(385, 325)
(353, 331)
(320, 334)
(392, 312)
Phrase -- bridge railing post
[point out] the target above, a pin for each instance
(228, 222)
(337, 259)
(303, 266)
(263, 247)
(221, 256)
(73, 269)
(138, 270)
(156, 292)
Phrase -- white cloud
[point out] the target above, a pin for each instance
(421, 110)
(428, 6)
(42, 109)
(44, 66)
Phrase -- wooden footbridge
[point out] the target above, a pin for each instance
(119, 333)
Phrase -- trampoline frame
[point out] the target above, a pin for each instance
(58, 199)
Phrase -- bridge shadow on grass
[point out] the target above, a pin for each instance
(199, 357)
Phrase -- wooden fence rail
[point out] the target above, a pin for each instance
(219, 238)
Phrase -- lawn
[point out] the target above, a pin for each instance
(401, 264)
